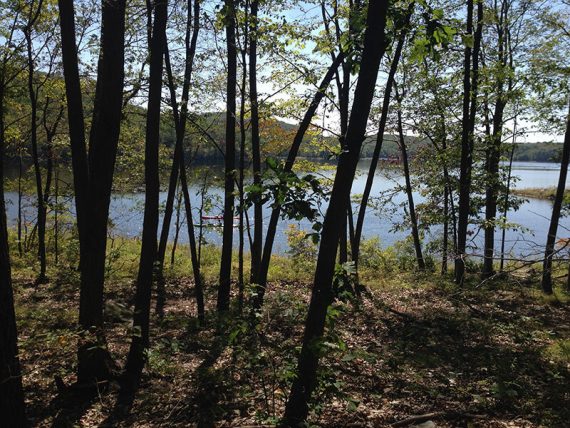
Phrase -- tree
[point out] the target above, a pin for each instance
(140, 340)
(229, 156)
(409, 191)
(470, 83)
(549, 75)
(556, 209)
(12, 407)
(190, 42)
(340, 41)
(504, 43)
(257, 244)
(379, 141)
(180, 123)
(93, 172)
(322, 295)
(33, 15)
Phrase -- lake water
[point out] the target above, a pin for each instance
(533, 216)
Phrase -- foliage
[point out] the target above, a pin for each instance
(303, 251)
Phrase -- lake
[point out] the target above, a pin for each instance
(126, 212)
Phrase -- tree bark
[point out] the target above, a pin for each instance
(93, 172)
(470, 80)
(223, 304)
(494, 152)
(180, 123)
(506, 208)
(256, 248)
(374, 46)
(241, 166)
(140, 339)
(556, 208)
(377, 149)
(33, 95)
(409, 192)
(12, 407)
(191, 38)
(176, 227)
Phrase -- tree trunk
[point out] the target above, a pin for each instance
(241, 166)
(230, 154)
(409, 193)
(374, 45)
(256, 248)
(177, 227)
(93, 172)
(140, 340)
(198, 282)
(20, 250)
(180, 123)
(470, 81)
(506, 208)
(12, 407)
(494, 153)
(557, 207)
(344, 101)
(191, 37)
(291, 157)
(377, 149)
(56, 212)
(41, 216)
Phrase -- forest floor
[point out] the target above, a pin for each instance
(486, 356)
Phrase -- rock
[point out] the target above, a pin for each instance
(426, 424)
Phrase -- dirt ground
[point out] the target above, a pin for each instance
(497, 356)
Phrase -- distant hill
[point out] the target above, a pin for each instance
(214, 122)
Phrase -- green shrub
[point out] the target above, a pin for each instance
(374, 258)
(302, 250)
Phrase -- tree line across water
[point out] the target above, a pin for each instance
(461, 76)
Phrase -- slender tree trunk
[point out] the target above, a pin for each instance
(164, 233)
(491, 193)
(141, 340)
(409, 192)
(445, 245)
(256, 248)
(448, 208)
(51, 132)
(12, 407)
(494, 156)
(176, 227)
(190, 41)
(506, 207)
(557, 207)
(20, 250)
(242, 157)
(230, 154)
(41, 217)
(198, 282)
(291, 157)
(93, 172)
(180, 123)
(377, 149)
(470, 81)
(568, 279)
(374, 45)
(344, 101)
(56, 212)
